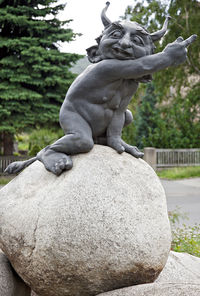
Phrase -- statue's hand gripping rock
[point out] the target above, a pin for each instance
(95, 108)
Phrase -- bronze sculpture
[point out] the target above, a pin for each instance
(95, 107)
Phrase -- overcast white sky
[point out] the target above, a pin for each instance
(87, 20)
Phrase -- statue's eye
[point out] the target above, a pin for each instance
(137, 40)
(116, 34)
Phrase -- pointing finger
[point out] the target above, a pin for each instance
(189, 40)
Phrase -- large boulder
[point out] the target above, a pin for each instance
(101, 226)
(10, 283)
(180, 277)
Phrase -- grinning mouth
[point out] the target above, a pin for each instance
(121, 52)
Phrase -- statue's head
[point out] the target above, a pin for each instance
(123, 40)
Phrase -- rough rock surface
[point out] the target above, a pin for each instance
(180, 277)
(10, 282)
(181, 268)
(101, 226)
(156, 289)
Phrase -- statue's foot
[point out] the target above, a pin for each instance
(18, 166)
(120, 146)
(55, 162)
(133, 150)
(15, 167)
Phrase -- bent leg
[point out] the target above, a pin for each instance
(133, 150)
(128, 117)
(78, 139)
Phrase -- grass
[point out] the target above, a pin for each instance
(5, 180)
(185, 238)
(179, 173)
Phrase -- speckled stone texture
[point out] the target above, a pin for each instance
(156, 289)
(10, 282)
(101, 226)
(180, 277)
(181, 268)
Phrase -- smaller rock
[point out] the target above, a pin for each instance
(10, 283)
(157, 289)
(181, 268)
(180, 277)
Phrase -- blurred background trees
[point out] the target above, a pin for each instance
(34, 74)
(169, 116)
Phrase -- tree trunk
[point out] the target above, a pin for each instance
(1, 143)
(8, 143)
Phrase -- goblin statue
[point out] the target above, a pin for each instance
(95, 108)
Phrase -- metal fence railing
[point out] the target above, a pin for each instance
(177, 157)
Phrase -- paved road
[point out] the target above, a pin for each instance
(184, 194)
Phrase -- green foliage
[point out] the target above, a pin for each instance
(184, 238)
(5, 180)
(179, 173)
(146, 120)
(39, 139)
(22, 141)
(34, 74)
(174, 120)
(128, 132)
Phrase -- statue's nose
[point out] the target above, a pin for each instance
(125, 41)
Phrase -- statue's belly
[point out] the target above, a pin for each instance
(100, 122)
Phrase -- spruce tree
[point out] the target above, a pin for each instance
(147, 118)
(34, 74)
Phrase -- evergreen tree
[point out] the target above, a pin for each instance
(34, 74)
(146, 119)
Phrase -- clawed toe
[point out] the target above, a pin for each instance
(62, 165)
(68, 164)
(55, 162)
(138, 154)
(133, 150)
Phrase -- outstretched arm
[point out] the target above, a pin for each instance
(174, 54)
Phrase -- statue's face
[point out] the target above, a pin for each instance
(124, 41)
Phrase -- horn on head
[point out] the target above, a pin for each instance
(104, 18)
(159, 34)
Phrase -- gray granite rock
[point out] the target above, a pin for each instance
(98, 227)
(180, 277)
(10, 283)
(157, 289)
(181, 268)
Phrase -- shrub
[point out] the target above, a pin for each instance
(185, 238)
(39, 139)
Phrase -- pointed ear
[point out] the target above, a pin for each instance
(93, 54)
